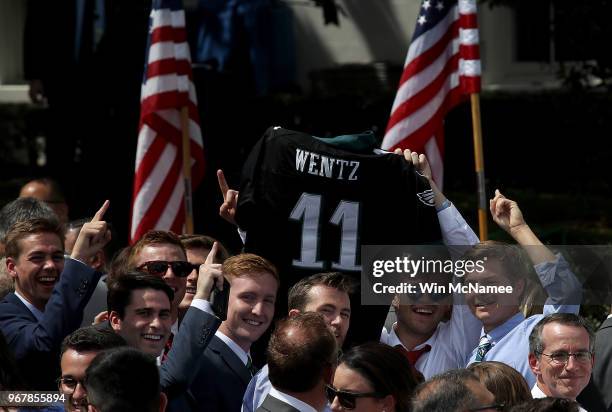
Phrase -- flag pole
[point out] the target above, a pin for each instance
(187, 170)
(479, 163)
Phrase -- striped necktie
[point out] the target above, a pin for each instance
(249, 365)
(483, 347)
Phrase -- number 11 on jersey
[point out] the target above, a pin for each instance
(308, 210)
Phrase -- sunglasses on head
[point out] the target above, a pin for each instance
(180, 269)
(348, 399)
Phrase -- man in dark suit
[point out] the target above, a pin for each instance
(45, 306)
(302, 354)
(226, 367)
(597, 396)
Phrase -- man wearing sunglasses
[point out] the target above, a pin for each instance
(162, 254)
(431, 341)
(561, 356)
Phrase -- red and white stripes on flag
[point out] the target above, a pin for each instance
(442, 68)
(158, 197)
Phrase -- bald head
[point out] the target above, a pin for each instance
(301, 352)
(48, 191)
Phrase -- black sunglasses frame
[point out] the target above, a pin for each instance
(174, 264)
(348, 400)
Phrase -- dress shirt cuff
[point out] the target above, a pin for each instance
(203, 305)
(445, 205)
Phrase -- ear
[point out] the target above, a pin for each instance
(163, 402)
(328, 374)
(519, 288)
(114, 320)
(388, 403)
(11, 264)
(534, 364)
(294, 312)
(396, 302)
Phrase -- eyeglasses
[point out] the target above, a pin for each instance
(496, 407)
(68, 385)
(348, 399)
(159, 267)
(561, 358)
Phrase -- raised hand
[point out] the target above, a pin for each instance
(506, 214)
(93, 237)
(209, 274)
(420, 162)
(230, 199)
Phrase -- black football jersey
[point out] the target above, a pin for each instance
(308, 206)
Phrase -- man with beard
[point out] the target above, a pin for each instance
(45, 306)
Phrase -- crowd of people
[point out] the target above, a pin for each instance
(144, 328)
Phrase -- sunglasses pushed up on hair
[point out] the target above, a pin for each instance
(180, 268)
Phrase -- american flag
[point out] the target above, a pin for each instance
(158, 198)
(442, 68)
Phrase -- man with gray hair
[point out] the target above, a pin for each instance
(561, 356)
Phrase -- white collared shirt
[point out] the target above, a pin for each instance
(537, 393)
(296, 403)
(242, 355)
(393, 340)
(38, 314)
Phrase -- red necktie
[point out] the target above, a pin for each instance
(167, 347)
(413, 355)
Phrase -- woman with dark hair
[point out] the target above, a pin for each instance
(504, 382)
(372, 377)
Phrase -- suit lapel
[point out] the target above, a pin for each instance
(12, 298)
(231, 359)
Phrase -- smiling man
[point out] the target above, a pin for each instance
(197, 248)
(50, 293)
(162, 254)
(139, 311)
(226, 368)
(327, 294)
(78, 350)
(561, 356)
(505, 330)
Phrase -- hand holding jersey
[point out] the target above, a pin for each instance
(309, 206)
